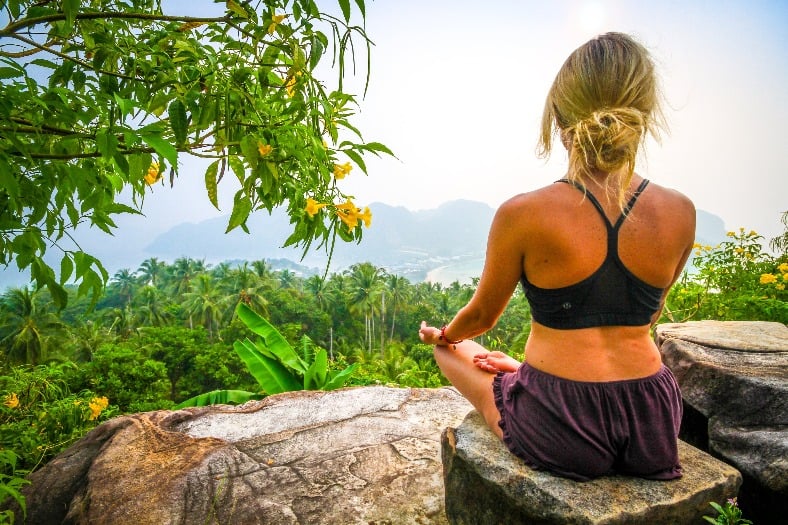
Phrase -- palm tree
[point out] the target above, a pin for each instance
(398, 289)
(365, 281)
(124, 284)
(86, 338)
(152, 307)
(206, 303)
(151, 271)
(27, 326)
(184, 271)
(247, 287)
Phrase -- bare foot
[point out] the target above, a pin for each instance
(495, 362)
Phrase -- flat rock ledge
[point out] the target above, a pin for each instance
(365, 455)
(487, 484)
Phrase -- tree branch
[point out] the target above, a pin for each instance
(12, 28)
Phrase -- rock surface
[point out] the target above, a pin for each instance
(486, 484)
(734, 380)
(367, 455)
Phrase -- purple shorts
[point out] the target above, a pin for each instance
(582, 430)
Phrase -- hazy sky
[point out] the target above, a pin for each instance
(457, 90)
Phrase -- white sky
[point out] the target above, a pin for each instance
(457, 92)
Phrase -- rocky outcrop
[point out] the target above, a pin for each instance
(734, 380)
(358, 455)
(487, 484)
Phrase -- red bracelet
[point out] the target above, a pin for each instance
(444, 338)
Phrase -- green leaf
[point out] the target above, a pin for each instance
(249, 150)
(273, 340)
(10, 72)
(233, 6)
(237, 165)
(241, 209)
(162, 147)
(178, 120)
(272, 376)
(211, 183)
(345, 5)
(338, 379)
(219, 397)
(316, 373)
(66, 268)
(106, 143)
(70, 8)
(357, 159)
(361, 7)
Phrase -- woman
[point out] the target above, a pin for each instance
(596, 253)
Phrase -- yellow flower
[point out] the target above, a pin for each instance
(780, 287)
(731, 234)
(11, 400)
(783, 268)
(290, 86)
(341, 170)
(785, 277)
(312, 206)
(366, 216)
(753, 233)
(264, 149)
(96, 405)
(275, 21)
(153, 174)
(768, 278)
(738, 250)
(348, 213)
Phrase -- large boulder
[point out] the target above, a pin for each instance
(353, 456)
(487, 484)
(734, 380)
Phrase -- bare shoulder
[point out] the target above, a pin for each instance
(529, 202)
(675, 209)
(674, 198)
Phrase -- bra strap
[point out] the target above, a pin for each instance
(631, 203)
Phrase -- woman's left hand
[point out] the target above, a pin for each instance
(430, 335)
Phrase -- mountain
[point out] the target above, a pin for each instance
(404, 242)
(445, 244)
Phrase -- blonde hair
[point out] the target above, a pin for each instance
(603, 101)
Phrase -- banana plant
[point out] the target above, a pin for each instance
(275, 365)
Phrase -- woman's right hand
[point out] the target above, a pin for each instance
(495, 362)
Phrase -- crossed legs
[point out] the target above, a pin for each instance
(471, 369)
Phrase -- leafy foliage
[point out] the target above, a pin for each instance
(737, 280)
(41, 416)
(103, 98)
(275, 364)
(730, 514)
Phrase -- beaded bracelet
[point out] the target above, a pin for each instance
(444, 338)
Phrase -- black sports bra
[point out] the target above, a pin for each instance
(611, 296)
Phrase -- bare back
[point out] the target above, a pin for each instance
(565, 241)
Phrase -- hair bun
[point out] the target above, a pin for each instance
(608, 139)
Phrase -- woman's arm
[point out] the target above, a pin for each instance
(503, 267)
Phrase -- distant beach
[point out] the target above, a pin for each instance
(462, 271)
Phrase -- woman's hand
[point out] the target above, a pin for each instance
(430, 335)
(495, 362)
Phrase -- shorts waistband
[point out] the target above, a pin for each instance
(526, 368)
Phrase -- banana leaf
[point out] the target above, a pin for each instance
(272, 376)
(219, 397)
(274, 341)
(338, 379)
(315, 376)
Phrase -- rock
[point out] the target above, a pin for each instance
(734, 380)
(745, 386)
(486, 484)
(358, 455)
